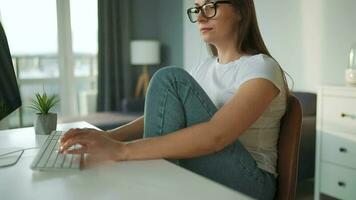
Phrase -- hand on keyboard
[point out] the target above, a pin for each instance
(93, 142)
(48, 158)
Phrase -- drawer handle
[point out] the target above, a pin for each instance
(348, 115)
(341, 184)
(342, 150)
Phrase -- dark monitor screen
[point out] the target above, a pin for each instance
(9, 92)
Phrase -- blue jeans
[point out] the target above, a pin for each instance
(174, 101)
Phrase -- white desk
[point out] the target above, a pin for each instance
(154, 179)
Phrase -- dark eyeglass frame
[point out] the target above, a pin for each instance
(199, 8)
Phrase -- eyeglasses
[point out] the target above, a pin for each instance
(208, 10)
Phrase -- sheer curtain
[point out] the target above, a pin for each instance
(113, 54)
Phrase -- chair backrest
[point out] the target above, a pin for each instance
(288, 150)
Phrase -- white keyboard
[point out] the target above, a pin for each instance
(48, 158)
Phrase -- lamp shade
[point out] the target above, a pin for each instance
(145, 52)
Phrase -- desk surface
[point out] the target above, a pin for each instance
(153, 179)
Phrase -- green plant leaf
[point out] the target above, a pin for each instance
(43, 103)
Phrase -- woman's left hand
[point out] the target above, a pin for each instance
(93, 142)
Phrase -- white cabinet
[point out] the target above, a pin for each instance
(335, 173)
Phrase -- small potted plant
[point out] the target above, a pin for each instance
(45, 122)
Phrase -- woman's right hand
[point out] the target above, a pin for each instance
(93, 142)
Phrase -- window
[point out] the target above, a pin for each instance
(84, 32)
(33, 42)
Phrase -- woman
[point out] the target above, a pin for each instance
(220, 120)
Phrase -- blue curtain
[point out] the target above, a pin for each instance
(113, 54)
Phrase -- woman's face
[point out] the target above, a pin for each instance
(222, 27)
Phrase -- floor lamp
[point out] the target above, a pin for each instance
(144, 53)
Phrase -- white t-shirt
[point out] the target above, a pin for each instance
(221, 82)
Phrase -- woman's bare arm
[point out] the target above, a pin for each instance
(129, 131)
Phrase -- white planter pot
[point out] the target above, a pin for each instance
(45, 123)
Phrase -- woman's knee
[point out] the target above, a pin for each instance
(170, 73)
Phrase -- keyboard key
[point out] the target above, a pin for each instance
(76, 161)
(67, 161)
(59, 161)
(52, 159)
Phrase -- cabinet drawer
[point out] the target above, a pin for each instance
(339, 113)
(337, 181)
(339, 149)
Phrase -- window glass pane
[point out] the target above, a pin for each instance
(32, 39)
(84, 64)
(14, 119)
(34, 67)
(84, 21)
(95, 67)
(31, 26)
(86, 97)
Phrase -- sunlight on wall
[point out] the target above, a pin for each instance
(312, 33)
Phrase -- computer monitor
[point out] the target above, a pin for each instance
(10, 98)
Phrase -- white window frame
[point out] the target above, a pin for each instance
(66, 59)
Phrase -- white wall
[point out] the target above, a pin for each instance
(310, 39)
(194, 49)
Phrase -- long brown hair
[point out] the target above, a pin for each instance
(249, 38)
